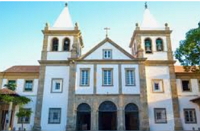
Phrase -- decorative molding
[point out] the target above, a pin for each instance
(158, 62)
(54, 62)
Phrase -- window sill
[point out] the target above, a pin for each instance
(130, 85)
(107, 85)
(84, 85)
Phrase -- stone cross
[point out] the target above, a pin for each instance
(106, 28)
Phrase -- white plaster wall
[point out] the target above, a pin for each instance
(114, 89)
(55, 100)
(159, 100)
(84, 89)
(4, 81)
(184, 102)
(130, 89)
(155, 55)
(58, 55)
(98, 53)
(30, 105)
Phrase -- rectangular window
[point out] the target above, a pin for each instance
(11, 81)
(186, 85)
(84, 77)
(157, 86)
(26, 120)
(107, 77)
(130, 77)
(160, 115)
(56, 85)
(11, 84)
(28, 85)
(54, 115)
(190, 116)
(107, 54)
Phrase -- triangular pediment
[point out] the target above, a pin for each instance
(118, 53)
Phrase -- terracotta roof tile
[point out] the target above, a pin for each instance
(180, 69)
(23, 69)
(6, 91)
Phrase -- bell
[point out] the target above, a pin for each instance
(159, 48)
(148, 49)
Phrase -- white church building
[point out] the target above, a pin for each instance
(107, 88)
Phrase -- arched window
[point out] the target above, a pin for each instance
(107, 106)
(131, 108)
(83, 120)
(83, 108)
(54, 44)
(131, 117)
(159, 44)
(66, 44)
(148, 45)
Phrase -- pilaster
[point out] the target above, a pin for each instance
(45, 43)
(94, 116)
(175, 102)
(38, 112)
(144, 116)
(75, 46)
(71, 123)
(120, 79)
(169, 47)
(120, 115)
(95, 79)
(44, 50)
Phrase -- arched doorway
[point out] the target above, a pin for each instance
(83, 121)
(107, 116)
(131, 117)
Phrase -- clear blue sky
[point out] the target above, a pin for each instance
(21, 24)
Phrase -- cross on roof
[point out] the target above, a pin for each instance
(106, 29)
(146, 5)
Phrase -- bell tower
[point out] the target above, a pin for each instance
(63, 40)
(61, 44)
(153, 41)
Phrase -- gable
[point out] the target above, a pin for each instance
(117, 53)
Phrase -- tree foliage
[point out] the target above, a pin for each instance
(22, 114)
(11, 86)
(18, 100)
(188, 53)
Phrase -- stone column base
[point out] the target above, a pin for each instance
(36, 128)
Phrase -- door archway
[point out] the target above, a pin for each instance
(131, 117)
(107, 116)
(83, 121)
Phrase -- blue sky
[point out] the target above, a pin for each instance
(21, 24)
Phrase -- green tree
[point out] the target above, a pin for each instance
(17, 100)
(11, 86)
(22, 114)
(188, 53)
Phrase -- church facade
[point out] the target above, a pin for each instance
(107, 88)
